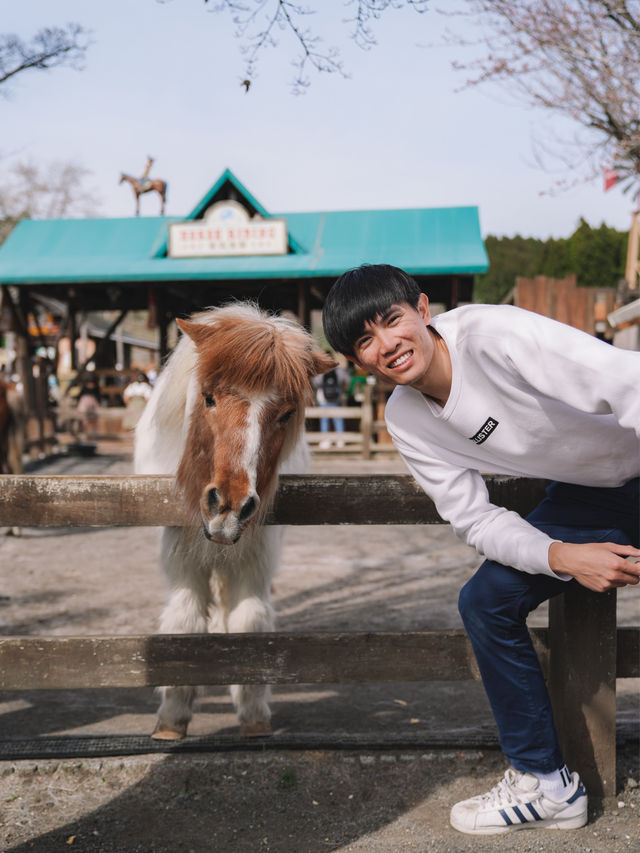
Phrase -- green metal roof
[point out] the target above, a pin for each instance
(423, 241)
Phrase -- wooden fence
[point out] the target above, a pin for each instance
(582, 652)
(370, 437)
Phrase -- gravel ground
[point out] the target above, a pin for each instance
(353, 578)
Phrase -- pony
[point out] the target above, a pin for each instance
(12, 434)
(11, 429)
(141, 186)
(225, 418)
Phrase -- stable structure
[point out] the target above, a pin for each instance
(231, 246)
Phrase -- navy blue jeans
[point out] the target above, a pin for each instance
(495, 603)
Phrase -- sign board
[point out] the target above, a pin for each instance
(226, 229)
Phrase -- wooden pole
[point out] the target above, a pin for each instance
(631, 272)
(366, 421)
(582, 633)
(304, 312)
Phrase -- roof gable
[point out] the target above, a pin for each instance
(226, 188)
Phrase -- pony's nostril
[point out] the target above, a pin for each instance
(213, 500)
(248, 508)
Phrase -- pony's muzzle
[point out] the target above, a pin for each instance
(248, 507)
(221, 521)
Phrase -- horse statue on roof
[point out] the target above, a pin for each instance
(145, 184)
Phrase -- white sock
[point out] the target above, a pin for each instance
(555, 784)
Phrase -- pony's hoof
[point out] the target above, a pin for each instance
(164, 732)
(261, 729)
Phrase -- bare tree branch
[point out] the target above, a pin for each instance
(577, 58)
(258, 22)
(49, 48)
(50, 191)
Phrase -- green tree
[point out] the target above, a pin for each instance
(595, 255)
(508, 257)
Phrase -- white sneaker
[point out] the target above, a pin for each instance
(517, 802)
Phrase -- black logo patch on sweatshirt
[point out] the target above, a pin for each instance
(485, 431)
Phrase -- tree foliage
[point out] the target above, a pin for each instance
(577, 58)
(49, 48)
(259, 23)
(595, 255)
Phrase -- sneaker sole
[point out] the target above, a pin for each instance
(552, 823)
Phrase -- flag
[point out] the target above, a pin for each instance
(611, 178)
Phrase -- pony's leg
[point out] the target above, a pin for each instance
(186, 612)
(249, 604)
(252, 700)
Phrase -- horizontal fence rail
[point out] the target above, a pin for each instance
(582, 652)
(36, 663)
(140, 501)
(54, 663)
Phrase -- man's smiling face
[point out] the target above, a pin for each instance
(397, 346)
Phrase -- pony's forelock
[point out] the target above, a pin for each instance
(255, 352)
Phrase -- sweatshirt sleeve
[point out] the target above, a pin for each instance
(461, 498)
(582, 371)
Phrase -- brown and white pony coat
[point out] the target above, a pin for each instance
(11, 429)
(226, 417)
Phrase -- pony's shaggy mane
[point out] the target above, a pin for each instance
(253, 351)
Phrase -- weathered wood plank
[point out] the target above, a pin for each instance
(40, 663)
(628, 653)
(30, 663)
(582, 628)
(130, 501)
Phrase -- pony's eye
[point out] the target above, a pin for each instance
(286, 417)
(209, 400)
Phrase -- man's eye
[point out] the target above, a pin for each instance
(209, 400)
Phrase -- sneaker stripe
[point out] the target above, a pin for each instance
(505, 817)
(579, 793)
(521, 817)
(533, 811)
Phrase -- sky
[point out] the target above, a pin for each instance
(163, 78)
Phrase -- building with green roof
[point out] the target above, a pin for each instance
(230, 246)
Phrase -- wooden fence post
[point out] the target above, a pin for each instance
(582, 633)
(366, 421)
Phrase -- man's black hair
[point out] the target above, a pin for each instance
(360, 296)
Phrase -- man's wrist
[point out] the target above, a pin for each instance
(557, 562)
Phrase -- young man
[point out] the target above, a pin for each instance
(501, 390)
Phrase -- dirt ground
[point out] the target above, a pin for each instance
(343, 794)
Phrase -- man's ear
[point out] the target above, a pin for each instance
(423, 308)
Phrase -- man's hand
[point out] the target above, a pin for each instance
(597, 565)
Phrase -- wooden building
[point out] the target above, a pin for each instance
(230, 246)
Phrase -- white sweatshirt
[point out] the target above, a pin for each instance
(529, 397)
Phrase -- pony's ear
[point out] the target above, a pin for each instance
(322, 361)
(198, 332)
